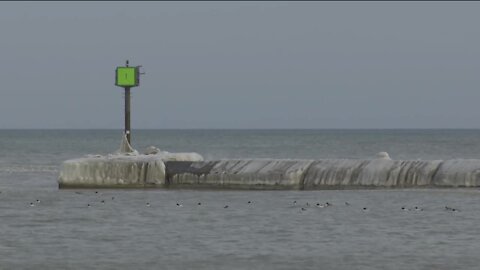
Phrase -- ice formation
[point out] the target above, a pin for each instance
(126, 148)
(159, 168)
(125, 168)
(380, 171)
(112, 171)
(250, 173)
(374, 173)
(383, 155)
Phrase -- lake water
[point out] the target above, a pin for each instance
(271, 232)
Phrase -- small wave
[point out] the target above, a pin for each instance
(28, 168)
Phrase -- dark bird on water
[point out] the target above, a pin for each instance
(226, 206)
(451, 209)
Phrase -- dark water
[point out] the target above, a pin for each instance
(62, 232)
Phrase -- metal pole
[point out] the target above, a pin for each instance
(127, 114)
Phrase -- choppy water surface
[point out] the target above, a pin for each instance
(62, 232)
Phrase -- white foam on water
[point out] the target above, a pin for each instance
(11, 168)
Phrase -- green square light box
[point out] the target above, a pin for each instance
(126, 77)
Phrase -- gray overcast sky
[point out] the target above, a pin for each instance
(242, 64)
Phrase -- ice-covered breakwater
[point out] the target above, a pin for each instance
(125, 168)
(247, 173)
(112, 171)
(155, 168)
(119, 170)
(323, 174)
(163, 171)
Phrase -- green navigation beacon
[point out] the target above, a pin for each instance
(127, 77)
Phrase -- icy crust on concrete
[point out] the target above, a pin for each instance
(132, 170)
(374, 173)
(125, 147)
(113, 171)
(248, 173)
(458, 173)
(125, 168)
(166, 156)
(159, 168)
(324, 174)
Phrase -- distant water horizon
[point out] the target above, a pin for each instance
(247, 143)
(33, 129)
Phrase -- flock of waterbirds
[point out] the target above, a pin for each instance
(302, 207)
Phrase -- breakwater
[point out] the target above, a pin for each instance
(323, 174)
(189, 170)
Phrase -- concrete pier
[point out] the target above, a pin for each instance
(241, 174)
(188, 170)
(113, 172)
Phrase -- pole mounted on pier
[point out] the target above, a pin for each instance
(127, 77)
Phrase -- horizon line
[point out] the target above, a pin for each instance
(400, 128)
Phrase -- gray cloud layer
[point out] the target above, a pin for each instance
(242, 64)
